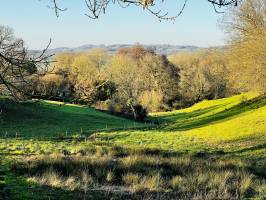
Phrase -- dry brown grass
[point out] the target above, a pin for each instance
(185, 176)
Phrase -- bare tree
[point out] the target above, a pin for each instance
(16, 66)
(97, 7)
(246, 26)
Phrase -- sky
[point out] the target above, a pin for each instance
(35, 23)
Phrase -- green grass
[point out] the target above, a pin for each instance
(214, 149)
(229, 124)
(51, 119)
(43, 167)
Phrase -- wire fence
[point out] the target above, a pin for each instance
(86, 134)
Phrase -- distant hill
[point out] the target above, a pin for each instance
(160, 49)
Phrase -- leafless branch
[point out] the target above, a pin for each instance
(16, 65)
(97, 7)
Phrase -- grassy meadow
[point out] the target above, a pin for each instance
(236, 123)
(213, 150)
(54, 119)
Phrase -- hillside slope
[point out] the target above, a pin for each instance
(111, 49)
(49, 118)
(229, 124)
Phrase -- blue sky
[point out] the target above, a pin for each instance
(36, 24)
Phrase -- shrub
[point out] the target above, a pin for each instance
(140, 112)
(136, 112)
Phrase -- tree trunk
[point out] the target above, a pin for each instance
(134, 112)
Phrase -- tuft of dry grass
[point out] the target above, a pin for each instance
(131, 179)
(110, 177)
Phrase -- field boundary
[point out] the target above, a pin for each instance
(82, 133)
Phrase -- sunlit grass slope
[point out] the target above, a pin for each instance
(229, 124)
(49, 118)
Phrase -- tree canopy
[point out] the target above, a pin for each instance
(247, 54)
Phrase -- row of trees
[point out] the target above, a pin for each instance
(136, 80)
(126, 82)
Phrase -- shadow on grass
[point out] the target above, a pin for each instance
(101, 160)
(37, 119)
(144, 164)
(187, 121)
(51, 120)
(18, 188)
(186, 115)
